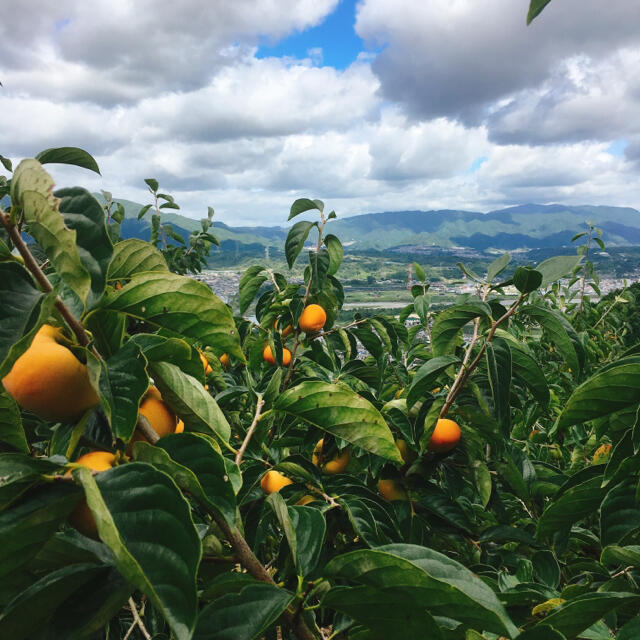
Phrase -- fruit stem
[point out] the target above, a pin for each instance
(31, 264)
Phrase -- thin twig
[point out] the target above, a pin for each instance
(252, 428)
(31, 264)
(138, 619)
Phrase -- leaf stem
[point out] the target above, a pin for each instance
(252, 428)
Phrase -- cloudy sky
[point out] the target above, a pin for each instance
(245, 105)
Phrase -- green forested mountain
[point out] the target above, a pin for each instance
(520, 227)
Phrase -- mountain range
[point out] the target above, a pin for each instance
(520, 227)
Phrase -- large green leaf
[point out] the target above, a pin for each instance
(107, 329)
(296, 238)
(448, 324)
(18, 473)
(11, 429)
(528, 371)
(499, 368)
(29, 523)
(83, 214)
(573, 505)
(609, 391)
(189, 399)
(336, 252)
(367, 519)
(304, 204)
(122, 381)
(557, 267)
(245, 615)
(192, 461)
(630, 630)
(526, 279)
(387, 612)
(182, 306)
(498, 266)
(628, 556)
(33, 608)
(31, 190)
(146, 522)
(340, 411)
(157, 348)
(619, 513)
(69, 155)
(134, 256)
(23, 309)
(426, 376)
(419, 572)
(249, 285)
(581, 612)
(439, 504)
(556, 328)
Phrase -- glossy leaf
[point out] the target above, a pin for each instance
(448, 324)
(18, 473)
(182, 306)
(609, 391)
(526, 279)
(245, 615)
(24, 310)
(450, 588)
(309, 525)
(528, 371)
(189, 399)
(31, 189)
(11, 429)
(304, 204)
(340, 411)
(336, 252)
(553, 269)
(498, 266)
(83, 214)
(249, 286)
(122, 381)
(425, 377)
(619, 513)
(499, 368)
(146, 522)
(535, 8)
(195, 465)
(69, 155)
(134, 256)
(296, 238)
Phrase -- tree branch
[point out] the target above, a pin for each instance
(252, 428)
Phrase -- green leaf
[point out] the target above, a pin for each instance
(134, 256)
(29, 611)
(24, 309)
(69, 155)
(498, 266)
(553, 269)
(630, 630)
(535, 8)
(573, 505)
(31, 190)
(336, 252)
(388, 613)
(527, 371)
(182, 306)
(195, 465)
(157, 348)
(619, 513)
(611, 390)
(421, 306)
(107, 329)
(18, 473)
(498, 357)
(245, 615)
(367, 517)
(419, 271)
(152, 183)
(144, 210)
(6, 163)
(526, 279)
(29, 523)
(296, 238)
(319, 263)
(545, 568)
(448, 324)
(249, 287)
(304, 204)
(189, 399)
(436, 501)
(84, 215)
(310, 527)
(581, 612)
(628, 556)
(422, 573)
(122, 381)
(340, 411)
(89, 609)
(146, 522)
(11, 429)
(555, 328)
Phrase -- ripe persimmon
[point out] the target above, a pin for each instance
(273, 481)
(336, 465)
(312, 318)
(391, 490)
(445, 436)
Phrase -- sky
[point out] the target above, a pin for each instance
(369, 105)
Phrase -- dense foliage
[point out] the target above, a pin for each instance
(289, 475)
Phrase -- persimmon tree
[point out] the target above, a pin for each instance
(308, 500)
